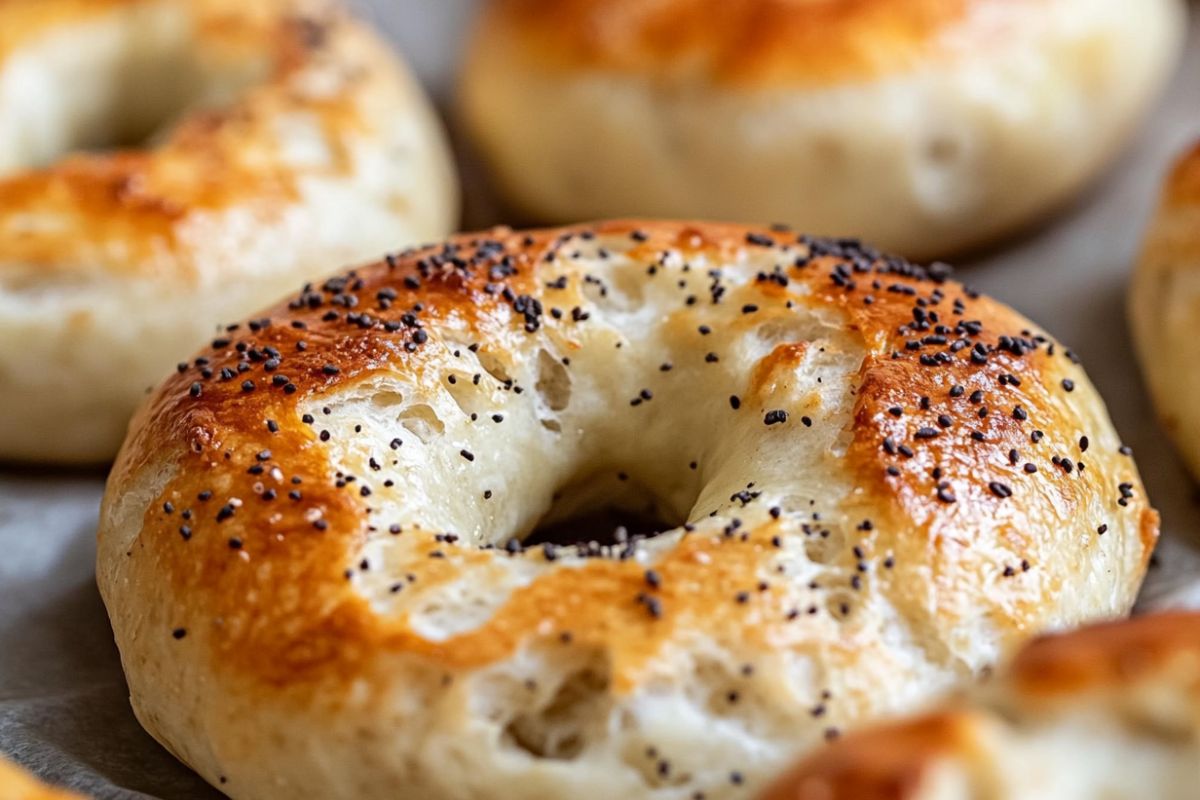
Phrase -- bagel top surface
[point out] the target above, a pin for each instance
(881, 482)
(201, 109)
(1183, 184)
(1173, 243)
(797, 42)
(25, 19)
(1111, 710)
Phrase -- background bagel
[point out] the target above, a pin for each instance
(877, 484)
(298, 141)
(1111, 711)
(924, 126)
(1164, 307)
(16, 784)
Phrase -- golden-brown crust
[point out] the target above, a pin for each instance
(16, 784)
(125, 209)
(1112, 656)
(888, 762)
(240, 25)
(1079, 670)
(1172, 244)
(24, 20)
(1183, 183)
(287, 615)
(744, 41)
(1163, 304)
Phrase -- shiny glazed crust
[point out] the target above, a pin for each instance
(883, 483)
(1164, 306)
(291, 140)
(1108, 711)
(924, 126)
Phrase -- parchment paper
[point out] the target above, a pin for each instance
(63, 703)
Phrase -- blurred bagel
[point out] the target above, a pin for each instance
(284, 138)
(17, 784)
(923, 126)
(1111, 711)
(869, 484)
(1164, 307)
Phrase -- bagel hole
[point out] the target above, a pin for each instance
(138, 74)
(606, 527)
(559, 727)
(605, 509)
(120, 115)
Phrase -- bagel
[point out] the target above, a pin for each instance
(17, 784)
(355, 567)
(1163, 307)
(1111, 711)
(292, 140)
(923, 126)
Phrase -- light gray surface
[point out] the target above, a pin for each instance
(63, 706)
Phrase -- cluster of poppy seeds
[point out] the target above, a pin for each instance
(987, 395)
